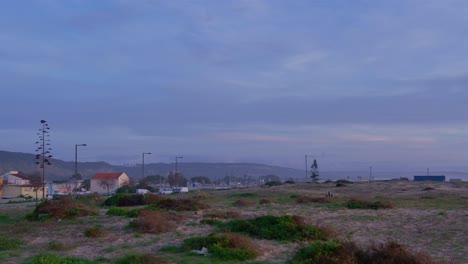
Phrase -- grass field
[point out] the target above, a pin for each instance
(426, 217)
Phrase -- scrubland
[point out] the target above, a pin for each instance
(367, 222)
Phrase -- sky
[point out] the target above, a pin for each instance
(351, 83)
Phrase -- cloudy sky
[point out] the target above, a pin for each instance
(351, 83)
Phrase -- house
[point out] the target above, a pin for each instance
(107, 183)
(17, 185)
(438, 178)
(15, 178)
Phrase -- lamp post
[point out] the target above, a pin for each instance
(76, 159)
(177, 177)
(143, 164)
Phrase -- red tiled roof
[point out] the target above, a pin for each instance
(107, 176)
(20, 176)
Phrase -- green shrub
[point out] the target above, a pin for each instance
(225, 247)
(9, 243)
(95, 231)
(325, 252)
(125, 199)
(171, 249)
(116, 211)
(288, 228)
(140, 259)
(360, 204)
(54, 259)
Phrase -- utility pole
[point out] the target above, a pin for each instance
(143, 164)
(306, 168)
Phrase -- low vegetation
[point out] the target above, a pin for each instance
(288, 228)
(117, 211)
(125, 199)
(9, 243)
(140, 259)
(55, 259)
(361, 204)
(178, 205)
(225, 247)
(62, 208)
(306, 199)
(223, 214)
(243, 203)
(152, 221)
(95, 231)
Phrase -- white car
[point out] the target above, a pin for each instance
(180, 190)
(165, 191)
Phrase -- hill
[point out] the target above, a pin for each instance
(63, 170)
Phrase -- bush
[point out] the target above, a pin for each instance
(360, 204)
(95, 231)
(306, 199)
(225, 247)
(54, 259)
(288, 228)
(62, 208)
(178, 205)
(140, 259)
(9, 243)
(392, 253)
(150, 221)
(124, 199)
(325, 252)
(116, 211)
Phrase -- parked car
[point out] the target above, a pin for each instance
(180, 190)
(165, 191)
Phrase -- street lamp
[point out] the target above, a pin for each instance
(177, 177)
(143, 164)
(76, 159)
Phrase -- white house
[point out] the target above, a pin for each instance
(104, 183)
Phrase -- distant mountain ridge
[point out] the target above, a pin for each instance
(63, 170)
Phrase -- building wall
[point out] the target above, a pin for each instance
(14, 191)
(96, 184)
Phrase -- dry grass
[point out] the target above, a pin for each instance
(223, 214)
(393, 253)
(63, 208)
(179, 205)
(151, 198)
(306, 199)
(150, 221)
(265, 201)
(243, 203)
